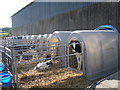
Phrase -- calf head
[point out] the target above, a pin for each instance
(49, 63)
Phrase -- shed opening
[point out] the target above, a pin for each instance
(75, 61)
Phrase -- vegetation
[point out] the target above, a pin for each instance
(5, 32)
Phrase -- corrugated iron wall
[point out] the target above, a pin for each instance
(88, 17)
(36, 11)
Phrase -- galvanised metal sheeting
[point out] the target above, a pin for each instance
(42, 10)
(101, 52)
(86, 18)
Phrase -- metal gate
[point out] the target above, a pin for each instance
(21, 56)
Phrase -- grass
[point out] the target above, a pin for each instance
(4, 33)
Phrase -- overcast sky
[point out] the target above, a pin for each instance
(76, 0)
(10, 7)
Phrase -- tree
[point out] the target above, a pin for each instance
(5, 29)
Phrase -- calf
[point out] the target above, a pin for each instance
(78, 52)
(44, 65)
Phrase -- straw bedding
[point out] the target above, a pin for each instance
(53, 77)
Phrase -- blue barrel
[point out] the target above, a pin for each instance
(6, 79)
(1, 67)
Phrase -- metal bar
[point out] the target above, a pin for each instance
(68, 58)
(65, 55)
(34, 53)
(8, 55)
(7, 49)
(13, 67)
(1, 46)
(1, 50)
(41, 47)
(45, 59)
(23, 49)
(26, 54)
(83, 56)
(33, 44)
(16, 74)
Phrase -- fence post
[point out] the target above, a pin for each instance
(65, 55)
(68, 56)
(83, 56)
(3, 55)
(16, 73)
(14, 66)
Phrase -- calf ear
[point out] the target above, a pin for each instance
(47, 63)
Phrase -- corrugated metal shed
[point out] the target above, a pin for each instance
(42, 10)
(69, 17)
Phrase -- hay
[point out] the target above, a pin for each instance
(52, 78)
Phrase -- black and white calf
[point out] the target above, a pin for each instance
(44, 65)
(78, 52)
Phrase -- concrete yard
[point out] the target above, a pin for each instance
(111, 82)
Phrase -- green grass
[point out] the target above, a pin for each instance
(4, 34)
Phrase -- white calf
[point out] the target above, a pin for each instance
(43, 65)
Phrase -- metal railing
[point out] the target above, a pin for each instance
(21, 58)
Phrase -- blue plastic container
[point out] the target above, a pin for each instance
(6, 79)
(1, 67)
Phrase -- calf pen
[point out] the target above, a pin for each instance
(92, 61)
(55, 76)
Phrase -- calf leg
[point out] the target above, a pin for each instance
(79, 63)
(79, 60)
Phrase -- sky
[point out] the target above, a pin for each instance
(8, 8)
(77, 0)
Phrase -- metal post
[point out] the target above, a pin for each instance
(13, 67)
(65, 47)
(15, 74)
(83, 56)
(68, 56)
